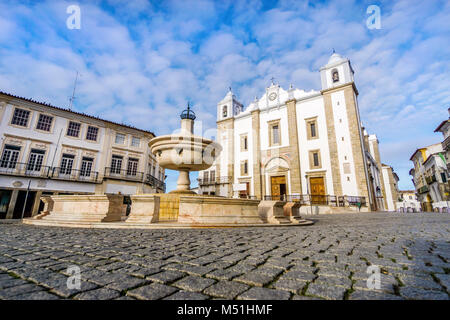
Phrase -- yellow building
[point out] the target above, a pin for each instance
(430, 178)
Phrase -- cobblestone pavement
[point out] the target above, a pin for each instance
(328, 260)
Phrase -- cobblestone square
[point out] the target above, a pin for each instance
(327, 260)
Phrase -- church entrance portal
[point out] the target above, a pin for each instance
(278, 188)
(317, 190)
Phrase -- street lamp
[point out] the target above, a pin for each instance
(26, 199)
(307, 190)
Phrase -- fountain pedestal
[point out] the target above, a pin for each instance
(183, 183)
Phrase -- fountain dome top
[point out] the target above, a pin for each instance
(188, 113)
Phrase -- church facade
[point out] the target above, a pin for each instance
(292, 144)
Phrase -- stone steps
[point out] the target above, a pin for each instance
(283, 220)
(64, 216)
(169, 225)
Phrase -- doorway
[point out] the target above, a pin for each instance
(317, 186)
(245, 193)
(278, 187)
(5, 197)
(20, 202)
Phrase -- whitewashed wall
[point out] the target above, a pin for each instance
(307, 109)
(344, 148)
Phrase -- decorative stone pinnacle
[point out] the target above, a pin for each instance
(188, 113)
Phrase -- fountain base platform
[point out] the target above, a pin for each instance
(181, 192)
(168, 210)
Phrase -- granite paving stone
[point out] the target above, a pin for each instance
(8, 293)
(166, 276)
(186, 295)
(421, 282)
(326, 291)
(37, 295)
(226, 289)
(61, 288)
(328, 260)
(126, 283)
(255, 278)
(98, 294)
(153, 291)
(257, 293)
(194, 283)
(299, 297)
(11, 282)
(289, 284)
(412, 293)
(372, 295)
(444, 279)
(300, 275)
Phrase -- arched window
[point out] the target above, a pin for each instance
(224, 112)
(335, 75)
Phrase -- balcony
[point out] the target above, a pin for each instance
(423, 189)
(206, 182)
(154, 182)
(37, 171)
(446, 143)
(224, 179)
(123, 174)
(75, 175)
(56, 173)
(430, 179)
(219, 180)
(24, 169)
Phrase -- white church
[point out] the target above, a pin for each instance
(301, 146)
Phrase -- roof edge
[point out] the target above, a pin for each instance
(75, 112)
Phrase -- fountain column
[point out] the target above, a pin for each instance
(183, 182)
(187, 132)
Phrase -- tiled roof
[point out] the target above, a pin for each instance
(441, 125)
(75, 112)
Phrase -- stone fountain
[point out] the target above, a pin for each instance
(180, 208)
(184, 151)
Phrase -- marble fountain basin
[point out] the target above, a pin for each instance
(184, 152)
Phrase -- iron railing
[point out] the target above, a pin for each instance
(75, 175)
(330, 200)
(224, 179)
(24, 169)
(446, 143)
(154, 182)
(39, 171)
(123, 174)
(246, 196)
(218, 180)
(430, 179)
(206, 182)
(356, 201)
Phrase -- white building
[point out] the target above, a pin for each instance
(430, 178)
(292, 143)
(58, 151)
(444, 128)
(407, 202)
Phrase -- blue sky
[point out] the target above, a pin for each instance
(140, 61)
